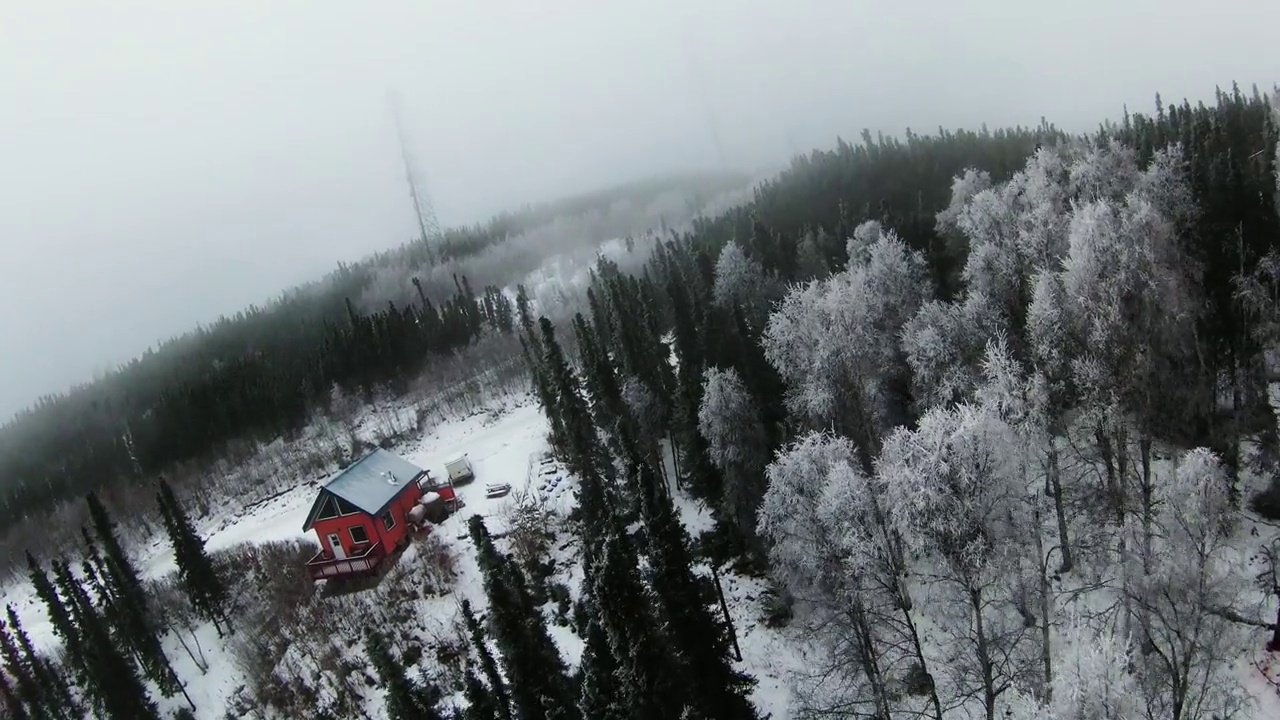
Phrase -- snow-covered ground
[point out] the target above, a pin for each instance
(502, 444)
(505, 443)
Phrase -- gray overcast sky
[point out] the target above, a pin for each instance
(165, 162)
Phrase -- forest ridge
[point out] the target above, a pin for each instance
(988, 412)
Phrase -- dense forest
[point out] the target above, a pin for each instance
(988, 411)
(270, 370)
(959, 367)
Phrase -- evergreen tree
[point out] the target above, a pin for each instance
(117, 562)
(118, 691)
(497, 692)
(598, 694)
(538, 680)
(601, 381)
(406, 700)
(738, 444)
(699, 637)
(481, 704)
(51, 686)
(10, 702)
(581, 450)
(128, 609)
(59, 617)
(25, 692)
(205, 587)
(650, 683)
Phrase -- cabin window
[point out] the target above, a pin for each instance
(327, 509)
(388, 520)
(358, 534)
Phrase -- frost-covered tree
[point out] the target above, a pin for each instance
(857, 248)
(957, 489)
(741, 281)
(1013, 232)
(650, 419)
(944, 343)
(1050, 341)
(1131, 294)
(1021, 402)
(835, 548)
(1095, 682)
(963, 187)
(835, 343)
(1189, 645)
(810, 556)
(737, 443)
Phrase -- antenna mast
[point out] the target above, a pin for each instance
(428, 226)
(700, 86)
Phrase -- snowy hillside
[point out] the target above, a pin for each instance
(1005, 450)
(505, 443)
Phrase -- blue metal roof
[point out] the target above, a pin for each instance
(371, 482)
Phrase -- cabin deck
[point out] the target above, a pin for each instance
(324, 565)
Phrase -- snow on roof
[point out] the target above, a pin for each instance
(374, 480)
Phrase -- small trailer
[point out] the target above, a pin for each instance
(459, 470)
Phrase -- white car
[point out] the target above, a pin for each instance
(496, 490)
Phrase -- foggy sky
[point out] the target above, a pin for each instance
(163, 163)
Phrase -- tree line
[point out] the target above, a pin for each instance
(111, 631)
(271, 369)
(253, 377)
(980, 352)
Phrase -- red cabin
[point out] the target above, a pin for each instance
(363, 515)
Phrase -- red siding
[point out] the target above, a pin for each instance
(373, 527)
(399, 509)
(342, 526)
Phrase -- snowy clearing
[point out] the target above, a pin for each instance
(505, 443)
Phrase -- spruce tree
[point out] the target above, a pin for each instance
(700, 638)
(406, 700)
(59, 617)
(54, 692)
(497, 686)
(204, 585)
(10, 703)
(128, 609)
(537, 676)
(117, 562)
(582, 452)
(481, 704)
(599, 697)
(25, 690)
(118, 691)
(650, 681)
(602, 382)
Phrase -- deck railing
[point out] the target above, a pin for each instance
(364, 561)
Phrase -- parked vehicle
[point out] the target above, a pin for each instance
(460, 471)
(497, 490)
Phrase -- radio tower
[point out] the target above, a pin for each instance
(428, 226)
